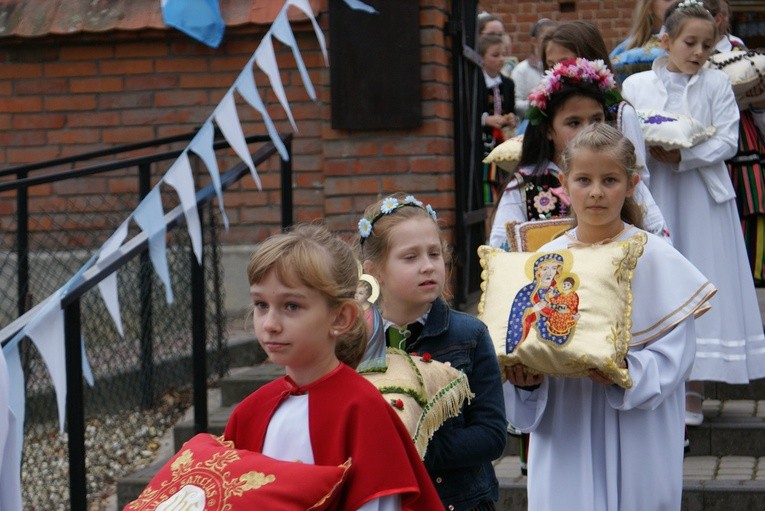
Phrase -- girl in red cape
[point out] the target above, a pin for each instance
(323, 412)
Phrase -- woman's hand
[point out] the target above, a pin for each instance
(663, 155)
(519, 376)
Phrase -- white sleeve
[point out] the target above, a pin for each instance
(657, 369)
(724, 143)
(389, 503)
(511, 207)
(523, 408)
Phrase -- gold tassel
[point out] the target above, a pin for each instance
(447, 403)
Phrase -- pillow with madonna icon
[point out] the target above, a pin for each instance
(209, 474)
(564, 312)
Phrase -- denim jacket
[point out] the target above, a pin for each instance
(459, 457)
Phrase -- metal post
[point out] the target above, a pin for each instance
(146, 290)
(199, 340)
(75, 412)
(286, 182)
(22, 245)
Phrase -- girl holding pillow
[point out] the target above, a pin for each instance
(694, 191)
(589, 435)
(401, 245)
(323, 412)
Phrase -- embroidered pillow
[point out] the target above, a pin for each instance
(745, 70)
(507, 154)
(424, 392)
(530, 235)
(672, 131)
(561, 313)
(636, 60)
(209, 474)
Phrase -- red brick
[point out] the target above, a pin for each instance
(38, 121)
(68, 69)
(415, 183)
(92, 119)
(84, 85)
(72, 136)
(26, 104)
(64, 103)
(132, 50)
(161, 82)
(125, 100)
(89, 52)
(207, 81)
(181, 98)
(344, 186)
(128, 135)
(184, 65)
(126, 67)
(41, 87)
(16, 71)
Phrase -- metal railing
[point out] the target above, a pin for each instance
(136, 248)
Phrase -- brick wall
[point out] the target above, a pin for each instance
(65, 95)
(612, 17)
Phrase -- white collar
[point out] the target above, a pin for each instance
(491, 82)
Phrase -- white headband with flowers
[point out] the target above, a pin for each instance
(388, 206)
(572, 72)
(690, 3)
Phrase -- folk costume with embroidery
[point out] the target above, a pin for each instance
(338, 416)
(493, 104)
(605, 447)
(747, 173)
(698, 202)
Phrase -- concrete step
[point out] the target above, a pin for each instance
(243, 381)
(216, 423)
(709, 483)
(725, 391)
(733, 427)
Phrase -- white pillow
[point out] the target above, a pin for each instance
(672, 131)
(746, 71)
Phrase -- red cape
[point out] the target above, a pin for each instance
(348, 418)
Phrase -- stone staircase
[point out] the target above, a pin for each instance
(725, 469)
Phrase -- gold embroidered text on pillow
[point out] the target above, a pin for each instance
(210, 474)
(561, 313)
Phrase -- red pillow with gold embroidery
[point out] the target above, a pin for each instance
(209, 474)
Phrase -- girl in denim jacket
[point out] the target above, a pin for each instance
(402, 247)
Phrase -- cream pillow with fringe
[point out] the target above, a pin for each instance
(423, 391)
(507, 154)
(561, 313)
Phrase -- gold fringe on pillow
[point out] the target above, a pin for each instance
(447, 403)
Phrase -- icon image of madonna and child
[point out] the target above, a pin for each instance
(549, 304)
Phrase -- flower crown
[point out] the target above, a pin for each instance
(388, 206)
(572, 72)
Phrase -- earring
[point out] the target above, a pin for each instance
(335, 333)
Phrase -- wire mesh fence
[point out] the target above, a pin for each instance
(141, 379)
